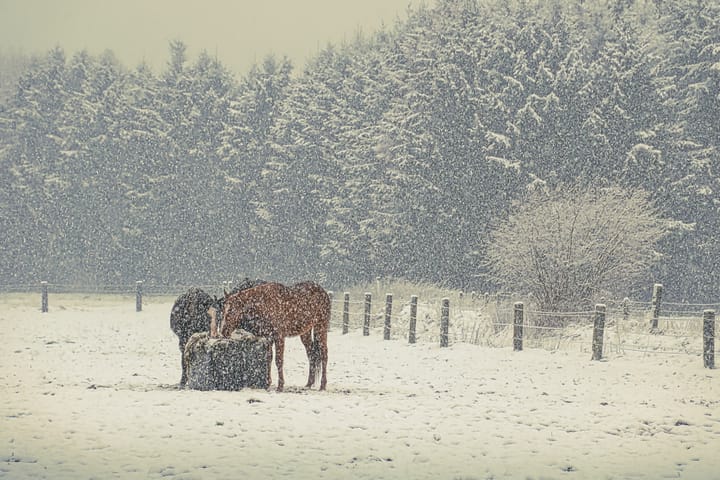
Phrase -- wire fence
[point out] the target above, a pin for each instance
(149, 289)
(677, 330)
(628, 325)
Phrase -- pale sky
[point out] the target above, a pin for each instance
(239, 32)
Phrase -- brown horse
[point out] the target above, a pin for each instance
(276, 311)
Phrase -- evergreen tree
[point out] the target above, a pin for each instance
(388, 155)
(32, 146)
(689, 80)
(443, 192)
(357, 226)
(299, 177)
(192, 103)
(244, 152)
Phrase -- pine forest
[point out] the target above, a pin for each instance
(393, 155)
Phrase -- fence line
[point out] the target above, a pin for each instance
(685, 304)
(627, 327)
(560, 314)
(655, 327)
(151, 288)
(626, 318)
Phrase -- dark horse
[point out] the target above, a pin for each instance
(276, 311)
(190, 315)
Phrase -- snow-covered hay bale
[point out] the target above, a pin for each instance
(227, 363)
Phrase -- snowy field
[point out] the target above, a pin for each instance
(87, 391)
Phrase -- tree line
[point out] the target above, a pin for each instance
(395, 154)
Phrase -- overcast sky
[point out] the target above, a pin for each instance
(239, 32)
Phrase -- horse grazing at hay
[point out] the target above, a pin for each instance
(191, 314)
(276, 311)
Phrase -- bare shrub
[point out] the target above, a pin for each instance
(570, 246)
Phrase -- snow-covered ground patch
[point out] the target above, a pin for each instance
(87, 391)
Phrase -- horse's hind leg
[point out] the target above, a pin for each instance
(279, 352)
(306, 339)
(321, 338)
(269, 363)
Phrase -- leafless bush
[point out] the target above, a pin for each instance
(570, 246)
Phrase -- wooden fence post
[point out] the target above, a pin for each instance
(44, 297)
(518, 327)
(656, 301)
(368, 309)
(388, 313)
(346, 314)
(413, 318)
(444, 322)
(598, 332)
(138, 296)
(709, 338)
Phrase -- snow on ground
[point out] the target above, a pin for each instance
(86, 391)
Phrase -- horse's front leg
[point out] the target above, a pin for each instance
(279, 351)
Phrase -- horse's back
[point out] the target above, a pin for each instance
(313, 298)
(288, 311)
(307, 306)
(246, 284)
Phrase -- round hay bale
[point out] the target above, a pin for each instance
(227, 363)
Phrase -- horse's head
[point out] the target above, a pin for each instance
(215, 310)
(242, 306)
(213, 314)
(239, 311)
(231, 313)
